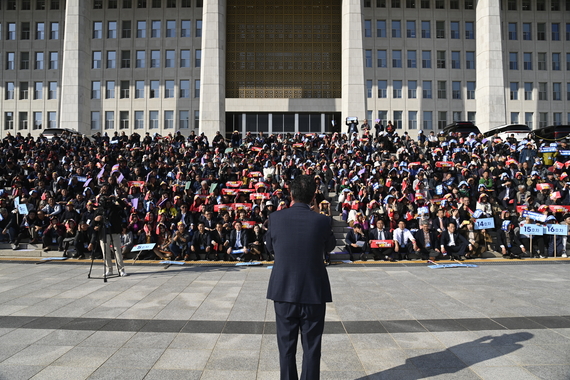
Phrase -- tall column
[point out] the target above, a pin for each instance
(353, 89)
(490, 93)
(74, 90)
(213, 70)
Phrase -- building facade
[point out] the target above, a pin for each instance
(281, 66)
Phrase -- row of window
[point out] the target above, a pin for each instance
(128, 4)
(23, 120)
(555, 31)
(542, 63)
(425, 32)
(541, 5)
(38, 63)
(140, 88)
(528, 89)
(426, 122)
(24, 89)
(424, 4)
(426, 89)
(426, 59)
(153, 120)
(543, 120)
(39, 31)
(170, 31)
(141, 61)
(39, 5)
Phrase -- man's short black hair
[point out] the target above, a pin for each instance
(303, 189)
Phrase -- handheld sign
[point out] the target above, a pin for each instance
(534, 216)
(485, 223)
(557, 229)
(532, 229)
(381, 243)
(444, 164)
(22, 209)
(143, 247)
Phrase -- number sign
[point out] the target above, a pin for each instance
(485, 223)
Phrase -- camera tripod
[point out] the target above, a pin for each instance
(106, 251)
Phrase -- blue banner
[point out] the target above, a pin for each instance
(534, 215)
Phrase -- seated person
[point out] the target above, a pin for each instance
(126, 241)
(509, 243)
(239, 241)
(404, 240)
(52, 233)
(452, 243)
(163, 240)
(257, 244)
(200, 246)
(427, 242)
(381, 233)
(219, 241)
(356, 242)
(477, 239)
(68, 238)
(180, 241)
(82, 240)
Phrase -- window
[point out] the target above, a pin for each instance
(184, 88)
(95, 120)
(469, 30)
(155, 29)
(412, 89)
(168, 120)
(170, 58)
(141, 3)
(196, 119)
(528, 87)
(410, 3)
(97, 29)
(568, 26)
(514, 90)
(454, 30)
(125, 85)
(441, 59)
(97, 4)
(555, 31)
(381, 58)
(127, 4)
(441, 119)
(184, 58)
(197, 88)
(425, 4)
(38, 90)
(39, 61)
(527, 31)
(8, 120)
(170, 28)
(557, 118)
(155, 58)
(453, 4)
(398, 119)
(411, 29)
(555, 5)
(110, 89)
(52, 119)
(512, 5)
(556, 61)
(153, 119)
(126, 29)
(382, 89)
(139, 119)
(512, 31)
(412, 119)
(112, 4)
(111, 59)
(470, 60)
(568, 91)
(381, 29)
(383, 117)
(469, 4)
(198, 58)
(456, 90)
(37, 120)
(568, 61)
(185, 28)
(542, 119)
(157, 3)
(368, 58)
(396, 58)
(95, 90)
(112, 29)
(141, 29)
(412, 59)
(541, 31)
(11, 31)
(441, 89)
(381, 3)
(367, 28)
(10, 61)
(140, 63)
(10, 91)
(526, 5)
(428, 120)
(556, 91)
(426, 59)
(426, 89)
(470, 90)
(52, 90)
(154, 89)
(528, 119)
(40, 30)
(440, 29)
(170, 3)
(139, 89)
(109, 119)
(53, 60)
(26, 5)
(198, 28)
(24, 60)
(426, 29)
(96, 60)
(25, 31)
(169, 89)
(457, 116)
(542, 61)
(183, 120)
(395, 4)
(397, 89)
(527, 61)
(54, 31)
(396, 29)
(542, 91)
(514, 117)
(455, 60)
(513, 61)
(23, 120)
(124, 120)
(125, 59)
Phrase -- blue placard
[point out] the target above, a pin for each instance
(485, 223)
(534, 216)
(423, 210)
(556, 229)
(143, 247)
(548, 149)
(564, 152)
(532, 229)
(23, 209)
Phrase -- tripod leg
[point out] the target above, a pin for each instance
(91, 267)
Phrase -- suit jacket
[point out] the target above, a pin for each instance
(420, 239)
(351, 237)
(244, 238)
(373, 234)
(435, 223)
(299, 239)
(220, 240)
(502, 239)
(445, 239)
(201, 240)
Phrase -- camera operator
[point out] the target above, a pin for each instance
(107, 224)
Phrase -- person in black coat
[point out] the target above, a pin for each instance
(509, 243)
(356, 242)
(239, 240)
(440, 222)
(452, 243)
(427, 242)
(299, 284)
(381, 233)
(200, 243)
(220, 241)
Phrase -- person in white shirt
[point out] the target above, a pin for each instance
(453, 244)
(405, 243)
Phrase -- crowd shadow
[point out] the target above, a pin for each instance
(454, 359)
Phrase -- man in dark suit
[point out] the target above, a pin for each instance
(299, 283)
(200, 243)
(239, 240)
(381, 233)
(427, 242)
(220, 242)
(440, 222)
(356, 242)
(452, 243)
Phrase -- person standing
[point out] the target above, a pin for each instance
(299, 285)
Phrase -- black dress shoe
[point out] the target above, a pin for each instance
(363, 257)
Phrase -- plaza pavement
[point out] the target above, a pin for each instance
(502, 320)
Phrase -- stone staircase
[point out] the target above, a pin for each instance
(27, 250)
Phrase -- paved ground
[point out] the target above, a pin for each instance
(395, 321)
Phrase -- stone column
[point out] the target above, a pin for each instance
(213, 70)
(353, 88)
(490, 93)
(74, 90)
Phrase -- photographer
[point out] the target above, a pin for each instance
(108, 225)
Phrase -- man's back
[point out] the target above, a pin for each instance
(299, 238)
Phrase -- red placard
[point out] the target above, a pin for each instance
(242, 206)
(543, 186)
(297, 145)
(256, 149)
(261, 196)
(248, 224)
(520, 209)
(381, 243)
(444, 164)
(255, 175)
(136, 183)
(559, 208)
(229, 191)
(234, 184)
(218, 208)
(245, 191)
(414, 164)
(436, 201)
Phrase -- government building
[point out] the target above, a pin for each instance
(162, 66)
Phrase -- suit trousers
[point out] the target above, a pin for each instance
(456, 250)
(310, 319)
